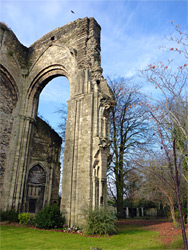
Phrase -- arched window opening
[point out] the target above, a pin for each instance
(48, 132)
(53, 110)
(54, 95)
(35, 188)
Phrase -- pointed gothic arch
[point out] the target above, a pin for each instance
(36, 182)
(72, 51)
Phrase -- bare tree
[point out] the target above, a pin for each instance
(157, 182)
(129, 132)
(62, 128)
(62, 125)
(169, 111)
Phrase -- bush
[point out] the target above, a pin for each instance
(9, 215)
(100, 222)
(49, 217)
(184, 213)
(24, 218)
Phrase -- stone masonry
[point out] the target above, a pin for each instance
(43, 175)
(72, 51)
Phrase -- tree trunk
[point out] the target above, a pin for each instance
(187, 206)
(181, 218)
(178, 197)
(176, 182)
(120, 213)
(172, 212)
(170, 203)
(119, 188)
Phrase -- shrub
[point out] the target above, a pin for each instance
(100, 222)
(184, 213)
(24, 218)
(49, 217)
(9, 215)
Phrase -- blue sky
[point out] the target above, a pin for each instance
(132, 32)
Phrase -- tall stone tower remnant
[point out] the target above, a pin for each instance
(72, 51)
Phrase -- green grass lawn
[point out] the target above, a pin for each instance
(129, 237)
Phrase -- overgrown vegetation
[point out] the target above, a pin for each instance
(9, 215)
(49, 217)
(4, 26)
(100, 222)
(24, 218)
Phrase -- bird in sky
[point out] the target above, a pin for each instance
(72, 12)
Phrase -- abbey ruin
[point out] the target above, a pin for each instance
(30, 149)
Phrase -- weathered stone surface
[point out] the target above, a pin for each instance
(72, 51)
(43, 175)
(7, 105)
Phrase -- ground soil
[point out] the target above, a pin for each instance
(166, 229)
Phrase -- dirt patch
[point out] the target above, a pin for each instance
(141, 222)
(166, 229)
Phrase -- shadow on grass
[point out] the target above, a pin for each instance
(132, 225)
(141, 222)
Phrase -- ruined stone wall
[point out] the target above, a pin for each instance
(72, 51)
(7, 107)
(12, 60)
(45, 150)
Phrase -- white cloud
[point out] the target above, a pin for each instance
(132, 31)
(57, 91)
(129, 54)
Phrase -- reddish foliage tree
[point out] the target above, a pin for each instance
(169, 109)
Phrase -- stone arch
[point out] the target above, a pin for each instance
(72, 51)
(39, 82)
(37, 174)
(37, 163)
(9, 91)
(36, 183)
(43, 77)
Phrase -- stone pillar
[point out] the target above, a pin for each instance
(50, 183)
(142, 211)
(137, 212)
(20, 163)
(127, 212)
